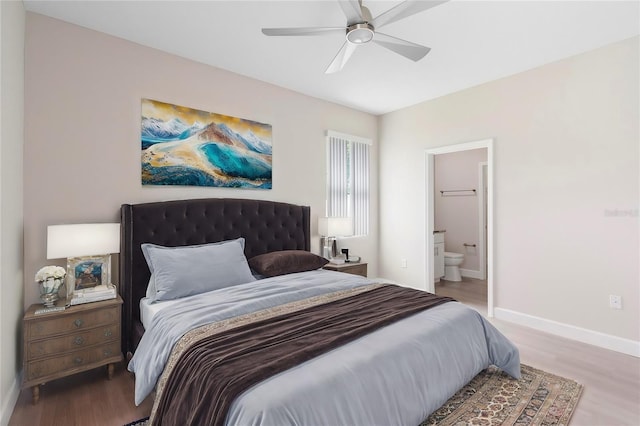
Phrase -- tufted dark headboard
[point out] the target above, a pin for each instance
(266, 226)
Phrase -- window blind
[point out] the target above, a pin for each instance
(360, 185)
(348, 179)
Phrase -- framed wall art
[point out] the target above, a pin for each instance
(190, 147)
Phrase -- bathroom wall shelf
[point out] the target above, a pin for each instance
(458, 193)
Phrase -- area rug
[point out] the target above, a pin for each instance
(494, 398)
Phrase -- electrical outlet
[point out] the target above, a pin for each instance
(615, 302)
(403, 263)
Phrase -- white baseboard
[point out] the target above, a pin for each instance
(471, 274)
(596, 338)
(9, 402)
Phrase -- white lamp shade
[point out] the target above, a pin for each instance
(335, 226)
(86, 239)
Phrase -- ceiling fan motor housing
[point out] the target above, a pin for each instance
(360, 33)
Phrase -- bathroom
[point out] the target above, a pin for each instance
(460, 221)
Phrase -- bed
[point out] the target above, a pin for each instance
(397, 373)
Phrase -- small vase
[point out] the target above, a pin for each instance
(49, 290)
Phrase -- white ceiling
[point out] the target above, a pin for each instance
(472, 42)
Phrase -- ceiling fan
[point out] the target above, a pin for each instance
(362, 28)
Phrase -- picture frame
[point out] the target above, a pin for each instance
(87, 272)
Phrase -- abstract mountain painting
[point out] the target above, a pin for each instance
(189, 147)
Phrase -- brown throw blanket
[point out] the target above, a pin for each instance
(212, 371)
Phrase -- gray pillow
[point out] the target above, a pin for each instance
(151, 286)
(187, 270)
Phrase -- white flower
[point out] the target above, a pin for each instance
(50, 272)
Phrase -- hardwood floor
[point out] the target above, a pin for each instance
(81, 400)
(469, 291)
(611, 380)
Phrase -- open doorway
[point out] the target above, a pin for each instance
(480, 245)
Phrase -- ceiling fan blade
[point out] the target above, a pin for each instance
(410, 50)
(341, 58)
(301, 31)
(403, 10)
(352, 11)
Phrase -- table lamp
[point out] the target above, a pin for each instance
(329, 228)
(88, 249)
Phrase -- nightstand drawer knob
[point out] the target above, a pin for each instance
(106, 352)
(78, 322)
(108, 332)
(78, 340)
(77, 360)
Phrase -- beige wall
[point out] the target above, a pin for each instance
(459, 215)
(12, 25)
(566, 186)
(82, 140)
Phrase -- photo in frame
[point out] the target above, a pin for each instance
(89, 272)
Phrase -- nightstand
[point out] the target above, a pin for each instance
(80, 338)
(355, 268)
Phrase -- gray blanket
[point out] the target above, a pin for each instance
(395, 375)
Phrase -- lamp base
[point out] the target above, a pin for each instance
(329, 247)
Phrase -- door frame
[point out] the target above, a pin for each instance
(430, 213)
(482, 249)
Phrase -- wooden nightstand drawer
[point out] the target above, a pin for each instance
(66, 343)
(72, 322)
(72, 361)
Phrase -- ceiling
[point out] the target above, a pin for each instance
(472, 42)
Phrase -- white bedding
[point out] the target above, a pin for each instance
(148, 310)
(396, 375)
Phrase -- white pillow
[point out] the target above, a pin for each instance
(187, 270)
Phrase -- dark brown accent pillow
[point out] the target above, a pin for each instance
(286, 262)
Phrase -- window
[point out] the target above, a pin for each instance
(348, 179)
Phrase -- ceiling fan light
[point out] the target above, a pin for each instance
(359, 33)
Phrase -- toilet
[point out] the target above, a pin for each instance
(452, 261)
